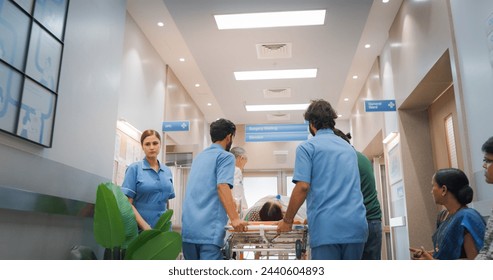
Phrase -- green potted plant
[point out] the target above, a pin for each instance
(115, 229)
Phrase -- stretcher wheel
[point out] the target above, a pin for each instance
(299, 249)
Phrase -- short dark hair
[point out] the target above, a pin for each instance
(321, 114)
(221, 128)
(270, 211)
(147, 133)
(457, 183)
(488, 146)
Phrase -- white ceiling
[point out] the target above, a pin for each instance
(336, 49)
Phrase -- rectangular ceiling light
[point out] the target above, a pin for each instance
(279, 107)
(274, 19)
(275, 74)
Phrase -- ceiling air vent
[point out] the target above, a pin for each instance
(277, 93)
(275, 50)
(278, 117)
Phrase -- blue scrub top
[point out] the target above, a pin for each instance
(204, 216)
(335, 209)
(149, 189)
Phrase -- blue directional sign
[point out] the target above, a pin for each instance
(380, 105)
(268, 128)
(276, 132)
(176, 126)
(276, 137)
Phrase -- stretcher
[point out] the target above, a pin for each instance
(262, 239)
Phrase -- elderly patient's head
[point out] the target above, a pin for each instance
(271, 211)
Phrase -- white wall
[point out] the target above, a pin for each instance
(365, 126)
(475, 63)
(142, 88)
(181, 107)
(419, 36)
(387, 80)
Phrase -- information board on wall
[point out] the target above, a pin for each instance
(127, 151)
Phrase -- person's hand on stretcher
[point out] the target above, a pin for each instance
(239, 225)
(285, 225)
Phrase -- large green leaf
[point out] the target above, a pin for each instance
(155, 245)
(127, 213)
(108, 224)
(164, 223)
(143, 237)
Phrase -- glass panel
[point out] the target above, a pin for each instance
(388, 243)
(398, 203)
(289, 185)
(27, 5)
(37, 112)
(179, 159)
(14, 27)
(385, 197)
(394, 167)
(51, 14)
(43, 62)
(259, 187)
(10, 88)
(401, 243)
(451, 148)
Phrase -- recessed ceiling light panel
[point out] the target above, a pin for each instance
(274, 19)
(278, 107)
(275, 74)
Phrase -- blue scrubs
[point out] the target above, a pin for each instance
(335, 209)
(204, 216)
(149, 189)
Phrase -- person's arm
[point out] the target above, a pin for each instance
(470, 247)
(297, 198)
(140, 221)
(226, 198)
(486, 252)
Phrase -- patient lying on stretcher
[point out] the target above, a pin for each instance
(269, 210)
(272, 208)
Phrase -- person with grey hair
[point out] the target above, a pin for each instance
(238, 190)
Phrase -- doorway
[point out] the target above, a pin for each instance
(444, 131)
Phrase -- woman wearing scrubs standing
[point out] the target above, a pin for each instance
(148, 184)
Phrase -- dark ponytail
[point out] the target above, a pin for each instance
(457, 183)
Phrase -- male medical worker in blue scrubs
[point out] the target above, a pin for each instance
(208, 198)
(326, 175)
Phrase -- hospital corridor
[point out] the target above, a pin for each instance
(246, 130)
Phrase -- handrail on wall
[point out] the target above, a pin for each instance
(22, 200)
